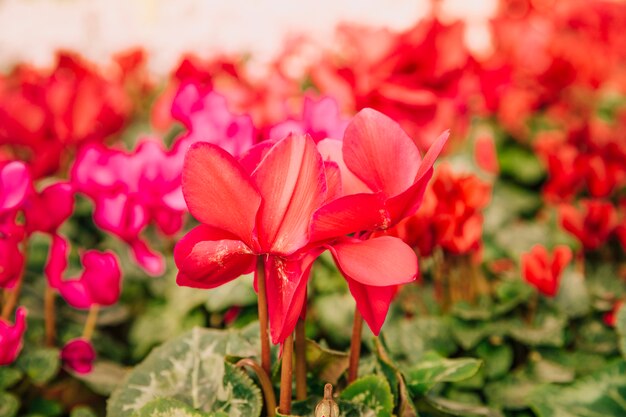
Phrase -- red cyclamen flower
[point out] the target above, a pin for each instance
(544, 271)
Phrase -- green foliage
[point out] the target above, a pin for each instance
(192, 369)
(168, 407)
(40, 364)
(9, 405)
(433, 369)
(370, 394)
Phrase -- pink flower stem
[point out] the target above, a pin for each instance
(355, 346)
(300, 361)
(286, 376)
(49, 315)
(266, 362)
(264, 380)
(90, 323)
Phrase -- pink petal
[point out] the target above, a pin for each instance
(11, 337)
(150, 261)
(432, 154)
(406, 203)
(292, 182)
(330, 149)
(380, 261)
(286, 280)
(253, 157)
(380, 153)
(372, 302)
(101, 277)
(208, 257)
(349, 214)
(14, 185)
(78, 355)
(120, 214)
(57, 261)
(75, 293)
(11, 262)
(333, 180)
(218, 191)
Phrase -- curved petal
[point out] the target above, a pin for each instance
(333, 180)
(292, 181)
(349, 214)
(373, 302)
(75, 294)
(432, 154)
(406, 203)
(380, 261)
(253, 157)
(57, 261)
(286, 281)
(208, 257)
(11, 339)
(380, 153)
(150, 261)
(14, 185)
(218, 192)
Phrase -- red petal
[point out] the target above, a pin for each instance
(380, 261)
(380, 153)
(406, 203)
(349, 214)
(333, 180)
(150, 261)
(372, 302)
(432, 154)
(219, 192)
(292, 182)
(207, 258)
(286, 280)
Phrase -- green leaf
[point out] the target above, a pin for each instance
(456, 408)
(408, 339)
(326, 364)
(598, 395)
(9, 405)
(573, 298)
(104, 377)
(512, 392)
(548, 330)
(82, 411)
(521, 164)
(40, 364)
(469, 333)
(9, 376)
(620, 325)
(169, 407)
(370, 393)
(497, 359)
(334, 314)
(192, 369)
(594, 336)
(435, 369)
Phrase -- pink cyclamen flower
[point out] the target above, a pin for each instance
(78, 355)
(11, 337)
(321, 119)
(48, 210)
(131, 191)
(207, 118)
(99, 283)
(542, 270)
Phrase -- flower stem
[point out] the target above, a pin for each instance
(49, 315)
(300, 361)
(266, 361)
(12, 296)
(266, 384)
(355, 346)
(286, 376)
(90, 323)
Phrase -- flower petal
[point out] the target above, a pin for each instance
(150, 261)
(330, 149)
(14, 185)
(102, 277)
(208, 257)
(218, 191)
(349, 214)
(372, 302)
(380, 153)
(286, 281)
(292, 181)
(380, 261)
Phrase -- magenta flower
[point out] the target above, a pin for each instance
(78, 355)
(99, 282)
(131, 191)
(321, 119)
(207, 118)
(11, 337)
(46, 211)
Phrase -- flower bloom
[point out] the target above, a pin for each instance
(98, 284)
(543, 271)
(11, 337)
(78, 355)
(593, 226)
